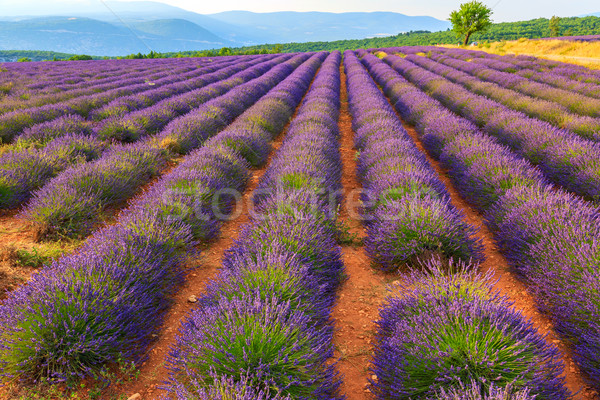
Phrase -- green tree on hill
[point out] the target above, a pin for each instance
(554, 26)
(80, 57)
(472, 17)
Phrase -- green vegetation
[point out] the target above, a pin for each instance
(227, 51)
(80, 57)
(535, 28)
(38, 55)
(471, 18)
(554, 26)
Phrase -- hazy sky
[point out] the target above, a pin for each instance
(504, 10)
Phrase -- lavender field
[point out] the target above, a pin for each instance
(398, 223)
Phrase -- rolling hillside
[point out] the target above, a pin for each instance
(90, 36)
(120, 28)
(308, 26)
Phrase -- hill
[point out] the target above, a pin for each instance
(161, 35)
(303, 26)
(532, 29)
(118, 28)
(84, 35)
(33, 55)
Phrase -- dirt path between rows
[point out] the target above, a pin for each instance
(360, 296)
(507, 283)
(15, 235)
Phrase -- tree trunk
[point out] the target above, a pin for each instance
(467, 39)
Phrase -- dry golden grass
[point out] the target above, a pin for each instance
(581, 53)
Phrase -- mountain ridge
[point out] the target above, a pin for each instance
(148, 25)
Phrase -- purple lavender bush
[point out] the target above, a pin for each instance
(443, 332)
(97, 306)
(40, 134)
(274, 347)
(224, 388)
(280, 273)
(475, 391)
(311, 240)
(199, 190)
(482, 178)
(58, 209)
(25, 170)
(551, 239)
(406, 229)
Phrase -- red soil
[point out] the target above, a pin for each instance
(361, 294)
(15, 234)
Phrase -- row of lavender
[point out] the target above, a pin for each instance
(103, 304)
(20, 99)
(14, 122)
(24, 80)
(121, 107)
(263, 329)
(70, 203)
(565, 158)
(435, 331)
(562, 101)
(81, 78)
(549, 236)
(565, 108)
(582, 38)
(530, 68)
(46, 149)
(501, 89)
(66, 77)
(128, 119)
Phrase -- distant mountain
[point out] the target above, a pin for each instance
(132, 12)
(165, 34)
(89, 36)
(309, 26)
(119, 28)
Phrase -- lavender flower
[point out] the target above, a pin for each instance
(444, 332)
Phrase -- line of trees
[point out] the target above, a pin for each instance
(531, 29)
